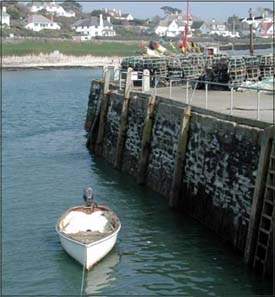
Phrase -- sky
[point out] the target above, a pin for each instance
(219, 10)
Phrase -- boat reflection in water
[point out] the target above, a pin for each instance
(101, 276)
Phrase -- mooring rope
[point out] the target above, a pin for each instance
(83, 278)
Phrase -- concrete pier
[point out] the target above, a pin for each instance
(244, 104)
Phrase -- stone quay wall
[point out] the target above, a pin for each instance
(220, 163)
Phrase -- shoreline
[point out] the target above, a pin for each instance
(47, 67)
(57, 60)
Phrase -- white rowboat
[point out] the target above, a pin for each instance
(88, 233)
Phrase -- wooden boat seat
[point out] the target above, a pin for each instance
(88, 236)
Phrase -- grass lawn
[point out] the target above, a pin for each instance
(70, 48)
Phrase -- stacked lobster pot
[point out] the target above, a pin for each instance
(190, 71)
(156, 65)
(267, 66)
(252, 64)
(218, 72)
(214, 59)
(158, 70)
(236, 70)
(130, 62)
(134, 62)
(159, 66)
(199, 62)
(174, 68)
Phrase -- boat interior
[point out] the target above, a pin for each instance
(87, 225)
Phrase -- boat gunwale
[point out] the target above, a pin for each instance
(60, 233)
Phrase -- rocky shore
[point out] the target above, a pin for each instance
(56, 60)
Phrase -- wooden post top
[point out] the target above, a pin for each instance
(107, 75)
(129, 83)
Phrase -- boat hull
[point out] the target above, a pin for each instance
(88, 254)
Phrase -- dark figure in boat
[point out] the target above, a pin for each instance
(89, 197)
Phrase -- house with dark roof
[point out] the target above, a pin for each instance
(38, 22)
(196, 26)
(94, 26)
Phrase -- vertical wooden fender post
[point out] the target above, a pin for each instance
(146, 80)
(103, 112)
(123, 120)
(266, 157)
(146, 140)
(181, 150)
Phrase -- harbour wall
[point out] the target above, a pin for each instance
(205, 163)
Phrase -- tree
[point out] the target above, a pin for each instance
(17, 11)
(72, 5)
(98, 12)
(154, 21)
(170, 10)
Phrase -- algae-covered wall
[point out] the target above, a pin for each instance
(132, 149)
(219, 174)
(219, 167)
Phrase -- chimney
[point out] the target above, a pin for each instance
(108, 19)
(100, 20)
(119, 12)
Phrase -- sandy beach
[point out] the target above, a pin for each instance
(57, 60)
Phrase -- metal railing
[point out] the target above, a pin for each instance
(233, 88)
(191, 85)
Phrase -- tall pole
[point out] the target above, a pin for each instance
(251, 33)
(187, 27)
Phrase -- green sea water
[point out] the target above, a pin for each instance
(45, 165)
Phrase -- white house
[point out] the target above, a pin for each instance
(37, 6)
(38, 22)
(116, 14)
(219, 29)
(125, 16)
(162, 28)
(5, 19)
(94, 26)
(255, 21)
(173, 26)
(53, 8)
